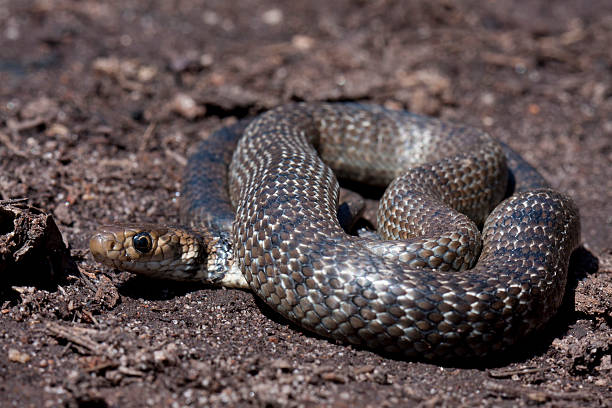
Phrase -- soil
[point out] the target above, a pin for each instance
(102, 102)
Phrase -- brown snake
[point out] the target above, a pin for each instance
(434, 286)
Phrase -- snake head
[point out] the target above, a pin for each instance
(152, 250)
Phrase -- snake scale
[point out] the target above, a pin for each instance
(454, 274)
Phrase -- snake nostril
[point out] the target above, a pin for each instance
(142, 242)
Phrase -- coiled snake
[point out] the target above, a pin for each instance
(432, 287)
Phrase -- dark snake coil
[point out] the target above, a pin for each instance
(434, 286)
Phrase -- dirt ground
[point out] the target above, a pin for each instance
(102, 102)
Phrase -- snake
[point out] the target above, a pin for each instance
(470, 255)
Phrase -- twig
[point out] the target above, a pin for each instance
(73, 335)
(514, 371)
(11, 146)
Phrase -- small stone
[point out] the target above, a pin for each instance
(57, 129)
(302, 42)
(146, 73)
(333, 377)
(18, 356)
(538, 396)
(363, 369)
(273, 16)
(186, 106)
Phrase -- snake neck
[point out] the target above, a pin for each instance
(221, 270)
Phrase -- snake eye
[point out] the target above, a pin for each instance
(142, 242)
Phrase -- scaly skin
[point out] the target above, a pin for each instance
(429, 295)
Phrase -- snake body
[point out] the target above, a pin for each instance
(434, 286)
